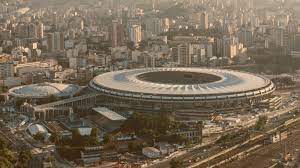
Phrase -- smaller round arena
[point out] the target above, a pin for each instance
(44, 90)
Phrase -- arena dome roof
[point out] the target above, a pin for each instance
(44, 90)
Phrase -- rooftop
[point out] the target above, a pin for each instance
(180, 81)
(43, 90)
(111, 115)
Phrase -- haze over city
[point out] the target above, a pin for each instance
(150, 83)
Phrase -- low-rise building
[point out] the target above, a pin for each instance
(165, 148)
(151, 152)
(273, 103)
(107, 118)
(278, 136)
(193, 132)
(90, 156)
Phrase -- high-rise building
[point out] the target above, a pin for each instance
(59, 41)
(5, 34)
(135, 34)
(117, 33)
(195, 18)
(279, 36)
(25, 30)
(166, 24)
(295, 42)
(116, 6)
(184, 57)
(153, 4)
(6, 68)
(235, 5)
(193, 53)
(55, 41)
(50, 42)
(40, 30)
(245, 36)
(250, 4)
(154, 26)
(32, 31)
(203, 21)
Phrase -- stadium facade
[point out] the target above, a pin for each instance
(188, 92)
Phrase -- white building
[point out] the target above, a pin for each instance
(151, 152)
(37, 129)
(135, 34)
(33, 67)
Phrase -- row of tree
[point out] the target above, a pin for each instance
(70, 147)
(9, 159)
(151, 127)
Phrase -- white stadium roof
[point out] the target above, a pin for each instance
(43, 90)
(231, 84)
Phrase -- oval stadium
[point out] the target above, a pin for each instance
(185, 91)
(44, 90)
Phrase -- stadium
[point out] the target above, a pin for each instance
(44, 90)
(188, 92)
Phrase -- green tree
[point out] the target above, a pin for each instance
(107, 139)
(7, 157)
(142, 45)
(130, 45)
(19, 102)
(54, 137)
(4, 162)
(3, 144)
(94, 136)
(135, 147)
(176, 163)
(39, 137)
(23, 159)
(52, 98)
(77, 139)
(261, 123)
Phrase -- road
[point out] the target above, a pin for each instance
(215, 159)
(207, 151)
(266, 156)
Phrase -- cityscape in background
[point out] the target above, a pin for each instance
(150, 83)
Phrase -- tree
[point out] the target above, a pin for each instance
(54, 137)
(4, 162)
(19, 102)
(130, 45)
(142, 45)
(176, 163)
(39, 137)
(135, 147)
(9, 155)
(94, 136)
(94, 132)
(107, 139)
(261, 123)
(52, 98)
(77, 139)
(3, 144)
(23, 159)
